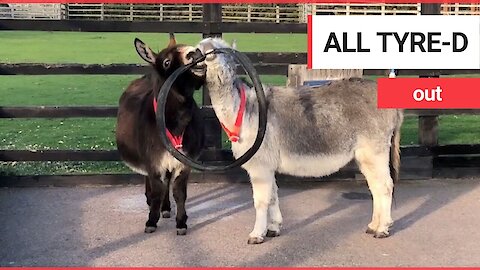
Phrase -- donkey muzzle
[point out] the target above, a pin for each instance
(197, 57)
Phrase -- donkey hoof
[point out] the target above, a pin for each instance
(370, 231)
(150, 229)
(166, 214)
(381, 234)
(181, 231)
(255, 240)
(272, 233)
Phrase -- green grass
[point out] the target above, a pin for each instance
(63, 89)
(76, 90)
(58, 134)
(463, 129)
(61, 168)
(107, 48)
(79, 90)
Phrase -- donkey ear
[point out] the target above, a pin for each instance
(172, 41)
(144, 51)
(234, 44)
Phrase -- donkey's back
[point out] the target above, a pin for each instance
(323, 126)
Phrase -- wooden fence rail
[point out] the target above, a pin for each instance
(418, 162)
(277, 13)
(112, 155)
(70, 69)
(266, 63)
(111, 111)
(152, 26)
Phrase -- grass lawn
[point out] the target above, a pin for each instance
(70, 47)
(107, 48)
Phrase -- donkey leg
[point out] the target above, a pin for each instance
(262, 194)
(375, 167)
(157, 192)
(275, 216)
(180, 196)
(148, 194)
(166, 208)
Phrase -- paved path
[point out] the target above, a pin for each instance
(437, 224)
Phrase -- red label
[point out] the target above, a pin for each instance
(309, 41)
(429, 93)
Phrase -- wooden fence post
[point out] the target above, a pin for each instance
(277, 14)
(190, 11)
(428, 125)
(64, 11)
(431, 9)
(428, 130)
(212, 13)
(249, 13)
(131, 12)
(161, 12)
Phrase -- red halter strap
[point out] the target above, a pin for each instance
(234, 134)
(175, 140)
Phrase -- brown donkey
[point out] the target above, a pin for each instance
(138, 140)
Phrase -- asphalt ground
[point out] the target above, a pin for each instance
(436, 224)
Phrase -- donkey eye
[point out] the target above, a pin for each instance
(166, 63)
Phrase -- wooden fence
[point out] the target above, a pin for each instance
(134, 12)
(461, 9)
(424, 161)
(277, 13)
(32, 11)
(154, 12)
(366, 9)
(186, 12)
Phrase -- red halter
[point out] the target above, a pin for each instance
(175, 140)
(234, 134)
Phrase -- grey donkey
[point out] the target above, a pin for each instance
(311, 132)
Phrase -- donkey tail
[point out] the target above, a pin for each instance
(395, 149)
